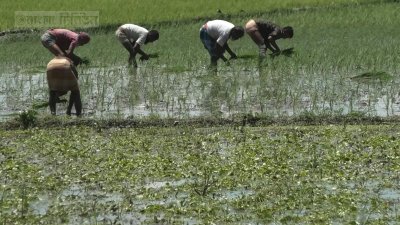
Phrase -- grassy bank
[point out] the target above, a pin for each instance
(238, 120)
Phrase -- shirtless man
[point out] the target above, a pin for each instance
(264, 34)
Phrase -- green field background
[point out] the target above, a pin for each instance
(153, 11)
(355, 38)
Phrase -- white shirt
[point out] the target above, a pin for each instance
(135, 33)
(219, 30)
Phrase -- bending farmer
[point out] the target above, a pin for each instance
(61, 79)
(264, 34)
(215, 34)
(133, 37)
(62, 42)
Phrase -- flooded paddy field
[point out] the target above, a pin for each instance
(123, 92)
(336, 69)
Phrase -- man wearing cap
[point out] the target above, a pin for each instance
(264, 34)
(133, 37)
(62, 42)
(215, 35)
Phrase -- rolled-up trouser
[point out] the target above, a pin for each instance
(48, 39)
(121, 36)
(252, 30)
(60, 75)
(208, 42)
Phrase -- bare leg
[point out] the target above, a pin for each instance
(78, 102)
(52, 102)
(259, 40)
(214, 60)
(74, 71)
(70, 104)
(56, 50)
(129, 47)
(75, 99)
(213, 65)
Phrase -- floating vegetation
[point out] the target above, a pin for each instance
(371, 76)
(223, 175)
(170, 142)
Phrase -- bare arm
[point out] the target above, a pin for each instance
(271, 44)
(219, 50)
(137, 49)
(233, 55)
(71, 48)
(78, 103)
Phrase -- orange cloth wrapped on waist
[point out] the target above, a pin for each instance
(60, 76)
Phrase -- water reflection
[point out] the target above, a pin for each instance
(124, 92)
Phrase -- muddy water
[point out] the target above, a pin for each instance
(122, 92)
(78, 195)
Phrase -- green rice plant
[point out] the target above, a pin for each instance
(27, 118)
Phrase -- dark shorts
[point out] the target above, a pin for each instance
(208, 42)
(48, 40)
